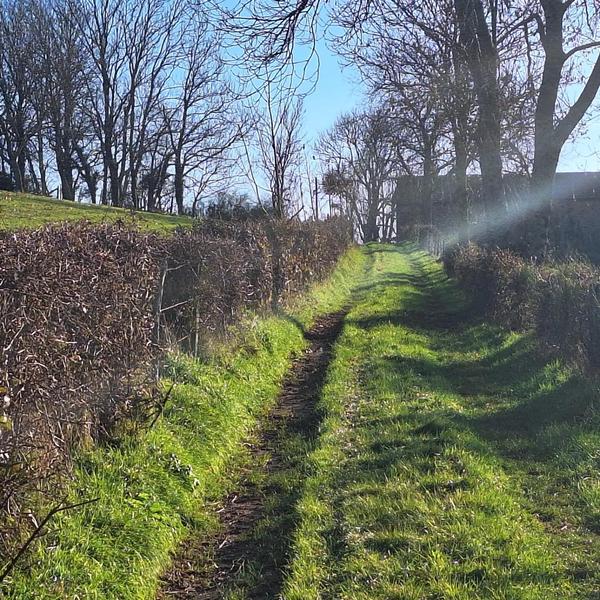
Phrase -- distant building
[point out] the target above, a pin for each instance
(575, 201)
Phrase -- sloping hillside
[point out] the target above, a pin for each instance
(27, 211)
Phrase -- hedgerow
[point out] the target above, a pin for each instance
(87, 312)
(559, 301)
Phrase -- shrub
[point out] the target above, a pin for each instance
(568, 315)
(218, 269)
(76, 326)
(559, 301)
(86, 312)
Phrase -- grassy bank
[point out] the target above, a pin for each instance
(163, 485)
(24, 211)
(452, 462)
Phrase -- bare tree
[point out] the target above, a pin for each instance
(153, 49)
(479, 45)
(469, 35)
(361, 157)
(278, 137)
(200, 119)
(555, 124)
(18, 122)
(132, 46)
(61, 85)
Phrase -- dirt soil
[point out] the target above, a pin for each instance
(204, 568)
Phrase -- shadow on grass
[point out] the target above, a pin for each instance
(291, 434)
(524, 408)
(457, 384)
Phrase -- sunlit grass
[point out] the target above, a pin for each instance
(156, 489)
(453, 462)
(24, 211)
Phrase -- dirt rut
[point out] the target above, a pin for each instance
(204, 569)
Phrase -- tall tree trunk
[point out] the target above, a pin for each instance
(546, 152)
(460, 136)
(540, 238)
(134, 188)
(179, 187)
(371, 229)
(67, 182)
(115, 188)
(87, 172)
(427, 187)
(461, 194)
(18, 165)
(42, 166)
(64, 165)
(151, 198)
(482, 60)
(397, 203)
(552, 133)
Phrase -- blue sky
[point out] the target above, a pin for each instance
(582, 154)
(337, 92)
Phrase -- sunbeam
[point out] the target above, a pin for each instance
(517, 207)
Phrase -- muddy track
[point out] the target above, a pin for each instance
(204, 569)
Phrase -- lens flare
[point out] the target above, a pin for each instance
(519, 206)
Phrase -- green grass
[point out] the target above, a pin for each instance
(452, 462)
(157, 489)
(24, 211)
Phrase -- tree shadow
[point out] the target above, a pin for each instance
(290, 436)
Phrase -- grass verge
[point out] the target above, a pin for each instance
(453, 463)
(24, 211)
(156, 489)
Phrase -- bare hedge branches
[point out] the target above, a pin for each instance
(77, 323)
(80, 310)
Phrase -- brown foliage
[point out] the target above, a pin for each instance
(80, 333)
(76, 323)
(568, 316)
(218, 269)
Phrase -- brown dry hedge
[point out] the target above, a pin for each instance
(86, 312)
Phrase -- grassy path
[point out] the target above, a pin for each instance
(452, 462)
(165, 485)
(449, 462)
(205, 566)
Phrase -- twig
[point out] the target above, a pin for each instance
(37, 531)
(161, 407)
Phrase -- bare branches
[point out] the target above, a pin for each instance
(81, 308)
(62, 507)
(91, 95)
(270, 32)
(279, 144)
(361, 159)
